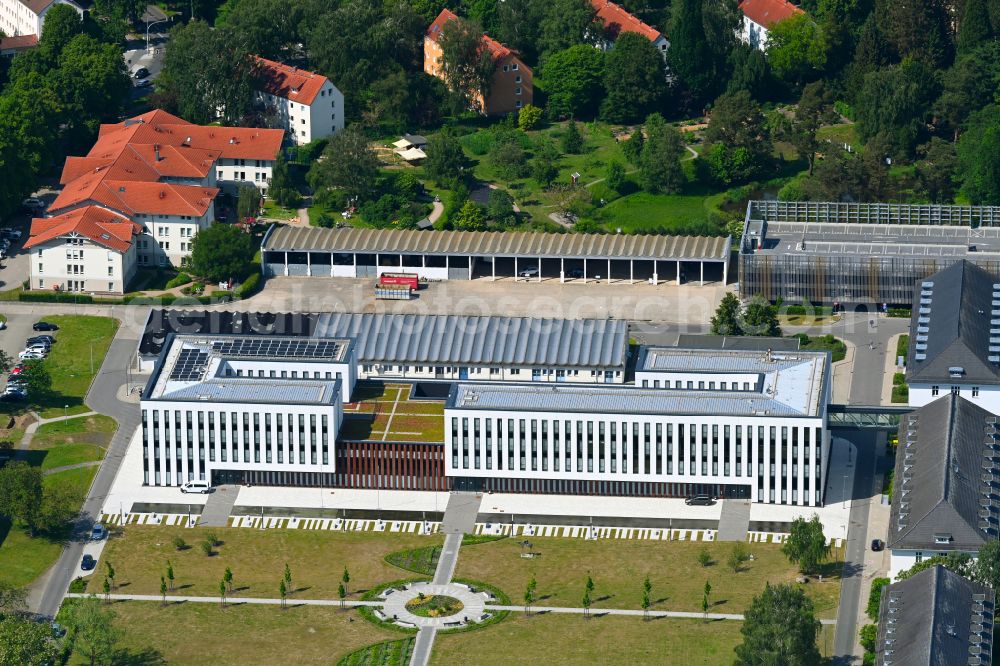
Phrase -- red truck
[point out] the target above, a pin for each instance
(411, 280)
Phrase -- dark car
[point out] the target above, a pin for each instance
(44, 326)
(98, 532)
(13, 396)
(44, 339)
(141, 73)
(88, 563)
(878, 545)
(575, 273)
(700, 500)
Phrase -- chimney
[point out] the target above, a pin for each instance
(156, 150)
(163, 194)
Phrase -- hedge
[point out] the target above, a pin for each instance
(87, 299)
(178, 280)
(249, 287)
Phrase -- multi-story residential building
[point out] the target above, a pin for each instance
(512, 84)
(245, 410)
(86, 249)
(617, 20)
(944, 497)
(955, 337)
(768, 443)
(27, 17)
(933, 618)
(164, 174)
(759, 16)
(306, 105)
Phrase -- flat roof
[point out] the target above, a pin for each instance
(195, 368)
(676, 359)
(283, 238)
(758, 343)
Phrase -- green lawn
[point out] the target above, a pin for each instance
(618, 568)
(77, 479)
(199, 633)
(836, 346)
(557, 639)
(74, 441)
(257, 558)
(273, 210)
(643, 212)
(839, 135)
(81, 343)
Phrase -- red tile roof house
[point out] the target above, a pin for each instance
(306, 105)
(512, 84)
(156, 171)
(27, 17)
(759, 16)
(616, 21)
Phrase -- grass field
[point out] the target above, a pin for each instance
(382, 412)
(74, 441)
(81, 343)
(619, 567)
(257, 559)
(186, 633)
(642, 212)
(553, 640)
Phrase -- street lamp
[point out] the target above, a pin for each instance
(150, 25)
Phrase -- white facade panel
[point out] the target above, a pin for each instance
(78, 264)
(986, 397)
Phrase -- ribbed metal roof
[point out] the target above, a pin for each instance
(497, 243)
(449, 339)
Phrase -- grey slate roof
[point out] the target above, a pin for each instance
(497, 243)
(451, 339)
(941, 464)
(935, 618)
(951, 316)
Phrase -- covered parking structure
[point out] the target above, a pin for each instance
(467, 255)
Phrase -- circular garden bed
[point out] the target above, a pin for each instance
(434, 606)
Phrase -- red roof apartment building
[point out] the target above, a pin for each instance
(304, 104)
(759, 16)
(511, 87)
(616, 21)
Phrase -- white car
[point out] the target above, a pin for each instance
(531, 271)
(3, 325)
(196, 487)
(30, 354)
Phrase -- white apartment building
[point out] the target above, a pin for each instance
(27, 17)
(245, 410)
(758, 18)
(86, 250)
(304, 104)
(769, 443)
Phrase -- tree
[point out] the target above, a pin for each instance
(632, 147)
(26, 643)
(221, 252)
(726, 320)
(615, 175)
(508, 160)
(779, 627)
(342, 593)
(20, 492)
(750, 72)
(281, 188)
(987, 567)
(13, 600)
(660, 167)
(348, 162)
(247, 202)
(574, 81)
(796, 49)
(180, 543)
(227, 577)
(60, 504)
(206, 548)
(704, 557)
(62, 24)
(107, 590)
(500, 207)
(875, 597)
(467, 66)
(896, 102)
(163, 591)
(111, 573)
(704, 597)
(973, 29)
(688, 53)
(528, 117)
(544, 170)
(470, 217)
(647, 588)
(95, 635)
(267, 27)
(806, 545)
(565, 24)
(586, 603)
(738, 145)
(170, 575)
(222, 593)
(969, 85)
(868, 637)
(815, 108)
(760, 318)
(737, 556)
(283, 591)
(919, 31)
(446, 160)
(345, 578)
(572, 140)
(936, 172)
(39, 381)
(633, 78)
(529, 595)
(979, 158)
(288, 578)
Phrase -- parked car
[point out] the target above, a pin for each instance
(196, 487)
(98, 532)
(11, 233)
(17, 369)
(531, 271)
(44, 326)
(141, 73)
(42, 347)
(47, 339)
(3, 325)
(30, 355)
(575, 273)
(33, 204)
(88, 563)
(13, 396)
(878, 545)
(700, 500)
(143, 83)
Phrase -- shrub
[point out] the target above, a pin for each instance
(206, 547)
(178, 280)
(213, 539)
(54, 297)
(249, 286)
(180, 543)
(875, 597)
(478, 143)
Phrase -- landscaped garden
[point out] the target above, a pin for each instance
(385, 413)
(436, 605)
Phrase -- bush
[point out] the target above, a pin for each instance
(875, 597)
(249, 286)
(899, 312)
(478, 143)
(213, 539)
(206, 547)
(180, 543)
(903, 346)
(78, 586)
(54, 297)
(178, 280)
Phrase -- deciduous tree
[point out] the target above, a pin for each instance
(96, 636)
(634, 79)
(936, 171)
(796, 49)
(979, 157)
(779, 627)
(221, 252)
(564, 24)
(806, 545)
(26, 643)
(738, 144)
(20, 492)
(467, 65)
(574, 81)
(348, 163)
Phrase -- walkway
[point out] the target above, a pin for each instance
(66, 468)
(29, 432)
(219, 505)
(734, 523)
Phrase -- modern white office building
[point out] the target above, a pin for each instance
(763, 437)
(304, 104)
(234, 409)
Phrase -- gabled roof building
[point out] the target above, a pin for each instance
(946, 495)
(759, 16)
(304, 104)
(617, 20)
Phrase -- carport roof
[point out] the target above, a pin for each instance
(497, 243)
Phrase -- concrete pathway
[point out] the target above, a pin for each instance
(734, 523)
(436, 212)
(219, 505)
(460, 515)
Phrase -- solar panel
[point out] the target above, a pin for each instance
(190, 365)
(278, 348)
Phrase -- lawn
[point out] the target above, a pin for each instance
(81, 343)
(618, 568)
(555, 639)
(836, 346)
(78, 479)
(74, 441)
(643, 212)
(257, 558)
(389, 416)
(273, 210)
(189, 633)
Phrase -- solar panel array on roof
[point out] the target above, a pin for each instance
(277, 348)
(190, 365)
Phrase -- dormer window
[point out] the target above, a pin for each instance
(942, 538)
